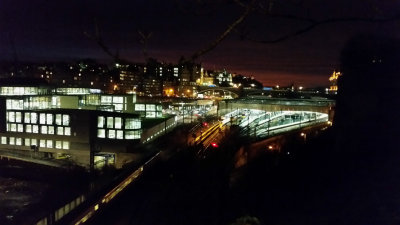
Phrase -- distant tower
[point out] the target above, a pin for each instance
(333, 79)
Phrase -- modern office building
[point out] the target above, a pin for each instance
(84, 125)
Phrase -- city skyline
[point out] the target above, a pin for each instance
(55, 31)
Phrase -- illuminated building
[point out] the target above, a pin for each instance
(207, 78)
(81, 124)
(149, 110)
(224, 79)
(333, 79)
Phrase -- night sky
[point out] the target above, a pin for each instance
(54, 30)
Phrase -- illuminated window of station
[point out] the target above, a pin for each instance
(35, 129)
(49, 143)
(58, 145)
(18, 141)
(27, 142)
(149, 110)
(140, 107)
(65, 145)
(3, 140)
(133, 134)
(119, 102)
(67, 131)
(118, 128)
(28, 122)
(42, 143)
(18, 91)
(101, 133)
(73, 91)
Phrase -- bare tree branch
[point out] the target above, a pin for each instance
(224, 34)
(144, 38)
(98, 39)
(314, 23)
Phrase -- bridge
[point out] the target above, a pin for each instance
(219, 92)
(233, 93)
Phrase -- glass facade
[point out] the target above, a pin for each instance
(27, 142)
(118, 127)
(23, 91)
(149, 110)
(28, 122)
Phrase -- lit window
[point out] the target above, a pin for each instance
(11, 116)
(67, 131)
(106, 99)
(132, 123)
(65, 145)
(50, 129)
(27, 142)
(100, 121)
(28, 128)
(33, 142)
(49, 144)
(133, 134)
(150, 107)
(110, 122)
(60, 130)
(35, 129)
(118, 99)
(18, 141)
(159, 108)
(33, 117)
(150, 114)
(111, 134)
(27, 117)
(140, 107)
(55, 101)
(101, 133)
(119, 107)
(58, 145)
(42, 143)
(43, 129)
(20, 127)
(120, 134)
(42, 118)
(59, 119)
(49, 118)
(66, 120)
(11, 141)
(13, 127)
(3, 140)
(18, 117)
(118, 122)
